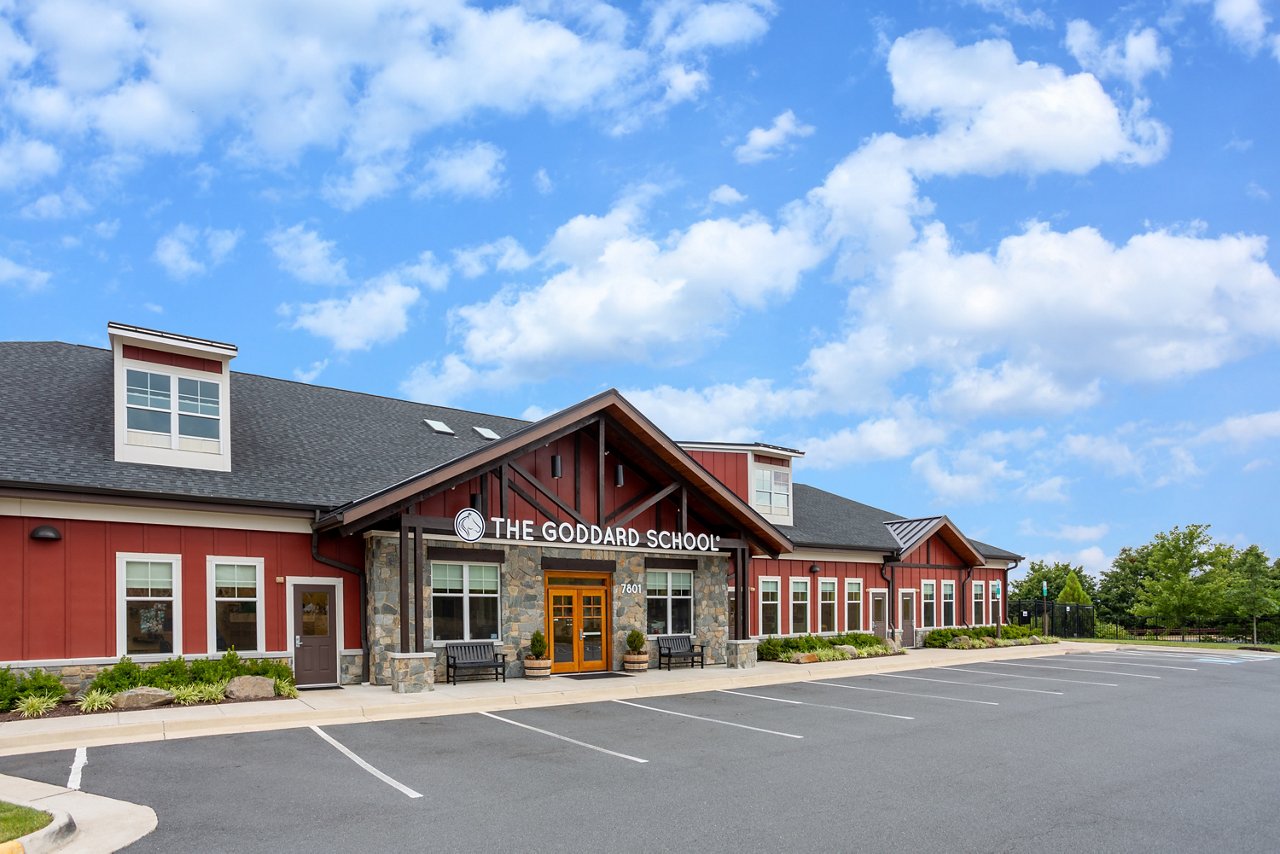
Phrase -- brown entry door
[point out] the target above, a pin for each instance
(579, 629)
(880, 614)
(315, 639)
(907, 617)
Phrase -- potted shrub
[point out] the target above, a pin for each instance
(536, 664)
(636, 657)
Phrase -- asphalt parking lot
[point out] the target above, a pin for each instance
(1108, 751)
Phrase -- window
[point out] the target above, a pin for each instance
(733, 613)
(979, 604)
(197, 408)
(770, 618)
(997, 614)
(827, 605)
(670, 597)
(773, 490)
(149, 604)
(236, 612)
(799, 606)
(948, 603)
(149, 406)
(464, 601)
(853, 606)
(928, 604)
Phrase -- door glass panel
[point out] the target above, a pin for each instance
(877, 609)
(908, 608)
(315, 614)
(562, 627)
(592, 627)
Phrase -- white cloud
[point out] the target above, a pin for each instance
(303, 254)
(683, 84)
(882, 438)
(375, 314)
(1052, 489)
(1093, 559)
(426, 271)
(765, 143)
(26, 161)
(542, 181)
(1179, 467)
(1256, 465)
(1013, 12)
(177, 251)
(1077, 533)
(1139, 55)
(107, 229)
(504, 255)
(467, 170)
(971, 476)
(61, 205)
(1009, 389)
(1254, 190)
(1111, 455)
(309, 374)
(154, 308)
(683, 26)
(221, 242)
(1243, 21)
(1244, 430)
(19, 275)
(726, 195)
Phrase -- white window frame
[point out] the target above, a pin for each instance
(795, 584)
(171, 452)
(465, 596)
(979, 597)
(291, 631)
(259, 565)
(947, 587)
(776, 579)
(781, 515)
(833, 585)
(994, 591)
(915, 605)
(932, 586)
(670, 597)
(122, 620)
(851, 584)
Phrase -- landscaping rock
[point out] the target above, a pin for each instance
(847, 649)
(892, 644)
(251, 688)
(142, 698)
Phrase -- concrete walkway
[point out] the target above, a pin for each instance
(106, 825)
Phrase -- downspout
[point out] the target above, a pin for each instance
(968, 580)
(889, 579)
(364, 595)
(1004, 597)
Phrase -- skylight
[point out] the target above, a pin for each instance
(438, 426)
(486, 433)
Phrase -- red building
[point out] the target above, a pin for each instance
(155, 503)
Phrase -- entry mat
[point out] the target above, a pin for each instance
(604, 674)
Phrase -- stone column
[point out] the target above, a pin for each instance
(412, 672)
(741, 653)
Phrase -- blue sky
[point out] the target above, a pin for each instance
(1011, 261)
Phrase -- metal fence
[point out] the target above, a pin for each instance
(1268, 632)
(1063, 621)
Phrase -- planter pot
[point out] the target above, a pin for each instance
(635, 663)
(537, 668)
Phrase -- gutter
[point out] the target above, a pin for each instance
(364, 596)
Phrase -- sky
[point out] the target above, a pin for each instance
(1007, 260)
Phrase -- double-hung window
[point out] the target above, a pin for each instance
(853, 605)
(827, 605)
(997, 614)
(670, 601)
(928, 604)
(149, 596)
(948, 603)
(979, 604)
(149, 407)
(799, 606)
(149, 402)
(770, 606)
(236, 614)
(772, 492)
(464, 601)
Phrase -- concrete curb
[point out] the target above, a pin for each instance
(51, 837)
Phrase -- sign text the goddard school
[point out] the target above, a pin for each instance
(594, 535)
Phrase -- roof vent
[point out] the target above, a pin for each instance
(486, 433)
(438, 426)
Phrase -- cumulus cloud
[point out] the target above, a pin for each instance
(505, 255)
(1112, 455)
(1140, 53)
(726, 195)
(306, 256)
(882, 438)
(966, 476)
(13, 274)
(376, 313)
(542, 181)
(467, 170)
(1243, 21)
(725, 413)
(67, 203)
(26, 161)
(186, 251)
(1244, 430)
(683, 26)
(766, 143)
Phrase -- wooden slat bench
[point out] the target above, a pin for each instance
(671, 647)
(473, 655)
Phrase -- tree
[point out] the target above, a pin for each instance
(1253, 587)
(1073, 592)
(1118, 592)
(1175, 591)
(1055, 575)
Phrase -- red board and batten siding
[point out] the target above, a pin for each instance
(728, 467)
(58, 599)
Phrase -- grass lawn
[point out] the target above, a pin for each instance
(1195, 644)
(18, 821)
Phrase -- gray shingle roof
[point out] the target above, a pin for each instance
(291, 443)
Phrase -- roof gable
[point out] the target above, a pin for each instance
(910, 533)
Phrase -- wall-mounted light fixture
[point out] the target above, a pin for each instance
(475, 501)
(618, 479)
(45, 532)
(814, 568)
(557, 469)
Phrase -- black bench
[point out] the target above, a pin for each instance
(671, 647)
(473, 655)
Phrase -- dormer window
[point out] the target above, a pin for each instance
(773, 490)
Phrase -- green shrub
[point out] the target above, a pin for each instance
(186, 695)
(286, 689)
(858, 639)
(781, 649)
(942, 638)
(168, 674)
(212, 692)
(1013, 632)
(8, 689)
(272, 668)
(95, 701)
(42, 683)
(831, 654)
(538, 644)
(36, 705)
(121, 676)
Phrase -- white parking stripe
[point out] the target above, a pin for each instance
(905, 693)
(365, 765)
(708, 720)
(565, 738)
(77, 766)
(817, 705)
(1041, 678)
(1079, 669)
(1092, 658)
(968, 684)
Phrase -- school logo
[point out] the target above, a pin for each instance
(469, 524)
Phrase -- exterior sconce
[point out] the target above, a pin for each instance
(814, 568)
(557, 468)
(475, 501)
(45, 532)
(618, 479)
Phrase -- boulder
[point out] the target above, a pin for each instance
(251, 688)
(851, 651)
(804, 658)
(145, 697)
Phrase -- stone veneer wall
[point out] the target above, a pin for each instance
(522, 606)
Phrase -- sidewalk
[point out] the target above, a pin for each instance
(103, 823)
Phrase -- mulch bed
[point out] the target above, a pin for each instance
(69, 710)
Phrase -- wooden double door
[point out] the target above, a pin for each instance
(578, 621)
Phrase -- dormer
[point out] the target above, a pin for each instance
(760, 474)
(172, 398)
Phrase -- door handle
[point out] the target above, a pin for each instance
(297, 640)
